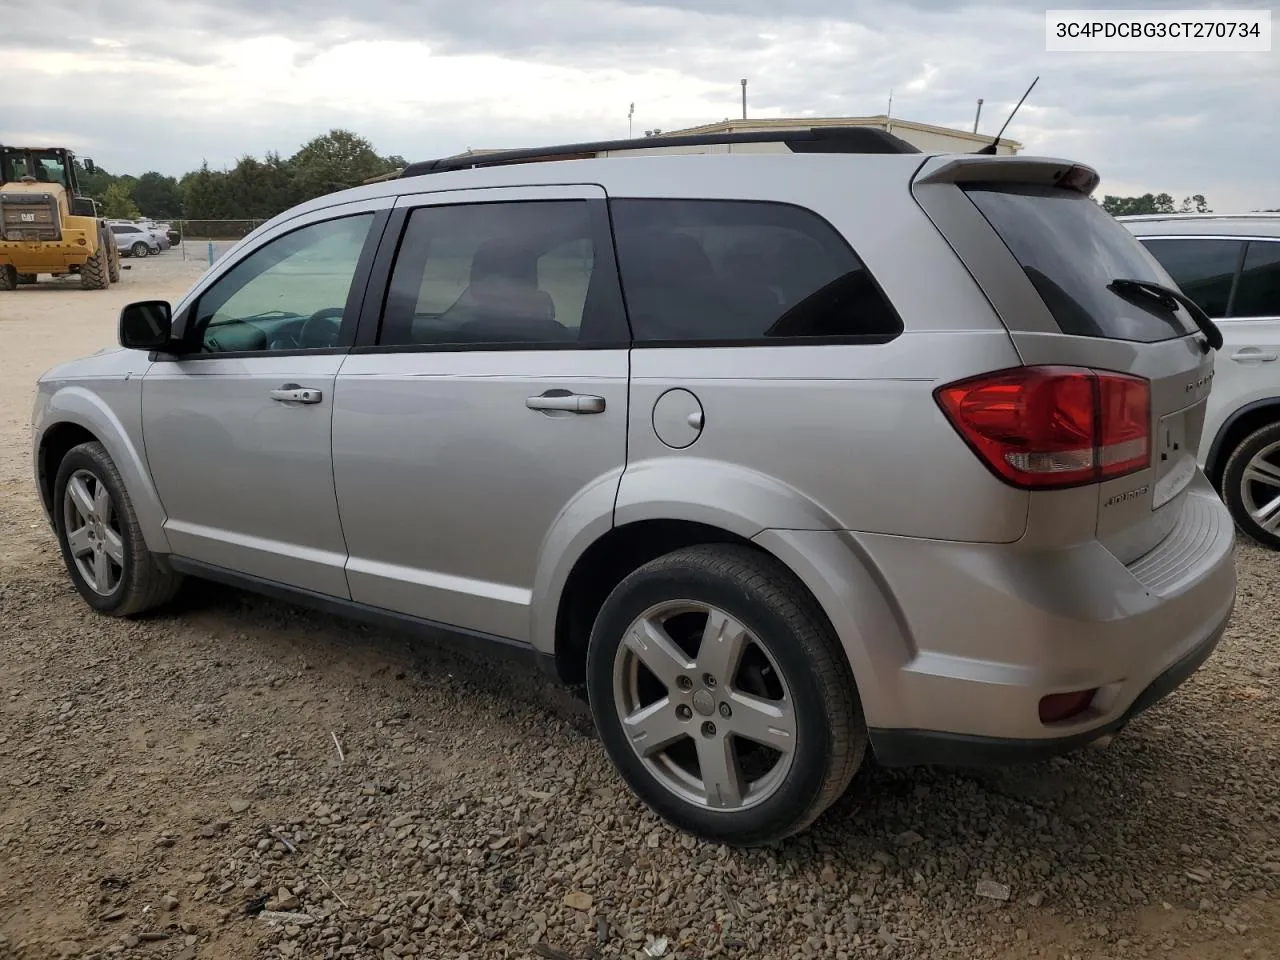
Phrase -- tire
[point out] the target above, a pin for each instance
(1245, 492)
(140, 249)
(113, 266)
(792, 661)
(135, 579)
(26, 278)
(94, 275)
(8, 277)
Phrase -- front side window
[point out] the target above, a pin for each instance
(1258, 294)
(1203, 269)
(510, 273)
(726, 271)
(289, 294)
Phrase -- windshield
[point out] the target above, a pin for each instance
(1071, 250)
(44, 166)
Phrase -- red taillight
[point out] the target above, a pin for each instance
(1047, 427)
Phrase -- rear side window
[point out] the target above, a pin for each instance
(1071, 249)
(1203, 269)
(1259, 292)
(735, 272)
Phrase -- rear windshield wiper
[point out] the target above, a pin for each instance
(1172, 299)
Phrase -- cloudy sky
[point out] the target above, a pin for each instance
(165, 84)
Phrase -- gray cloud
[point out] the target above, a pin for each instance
(1181, 123)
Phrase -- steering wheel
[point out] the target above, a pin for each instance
(321, 329)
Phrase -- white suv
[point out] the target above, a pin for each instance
(1230, 265)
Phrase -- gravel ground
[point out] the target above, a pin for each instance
(237, 778)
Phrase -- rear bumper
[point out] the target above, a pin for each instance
(901, 748)
(953, 645)
(52, 257)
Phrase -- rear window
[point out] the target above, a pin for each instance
(1071, 249)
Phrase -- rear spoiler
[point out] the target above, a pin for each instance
(979, 168)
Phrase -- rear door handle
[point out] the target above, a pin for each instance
(292, 393)
(569, 402)
(1252, 355)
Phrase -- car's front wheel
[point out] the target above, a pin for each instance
(722, 695)
(101, 541)
(1251, 485)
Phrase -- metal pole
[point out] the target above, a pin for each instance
(977, 115)
(744, 99)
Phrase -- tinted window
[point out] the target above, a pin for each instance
(716, 270)
(1071, 249)
(119, 230)
(535, 272)
(1258, 294)
(288, 294)
(1203, 269)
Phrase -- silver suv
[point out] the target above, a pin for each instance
(1230, 266)
(778, 455)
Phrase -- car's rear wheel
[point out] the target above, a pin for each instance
(722, 695)
(1251, 485)
(140, 249)
(101, 541)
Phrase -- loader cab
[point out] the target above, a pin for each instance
(55, 165)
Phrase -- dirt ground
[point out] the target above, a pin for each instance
(162, 780)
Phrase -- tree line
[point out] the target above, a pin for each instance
(253, 189)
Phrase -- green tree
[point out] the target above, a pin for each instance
(158, 196)
(1195, 203)
(117, 204)
(1129, 206)
(335, 161)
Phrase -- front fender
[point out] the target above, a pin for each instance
(118, 427)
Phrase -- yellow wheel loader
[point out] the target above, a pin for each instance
(46, 226)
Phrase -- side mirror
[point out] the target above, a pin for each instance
(146, 325)
(88, 166)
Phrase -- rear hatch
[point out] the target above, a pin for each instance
(1077, 291)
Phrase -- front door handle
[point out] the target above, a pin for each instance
(566, 401)
(1252, 355)
(292, 393)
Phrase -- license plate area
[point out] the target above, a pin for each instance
(1175, 458)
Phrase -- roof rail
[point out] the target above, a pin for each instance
(1191, 215)
(812, 140)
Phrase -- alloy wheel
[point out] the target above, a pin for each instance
(92, 531)
(704, 706)
(1260, 488)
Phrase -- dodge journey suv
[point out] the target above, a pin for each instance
(782, 453)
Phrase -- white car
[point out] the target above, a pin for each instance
(133, 240)
(1230, 266)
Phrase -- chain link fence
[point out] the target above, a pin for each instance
(208, 240)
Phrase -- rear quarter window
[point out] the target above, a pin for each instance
(1071, 249)
(1258, 294)
(737, 272)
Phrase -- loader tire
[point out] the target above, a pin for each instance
(94, 274)
(8, 276)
